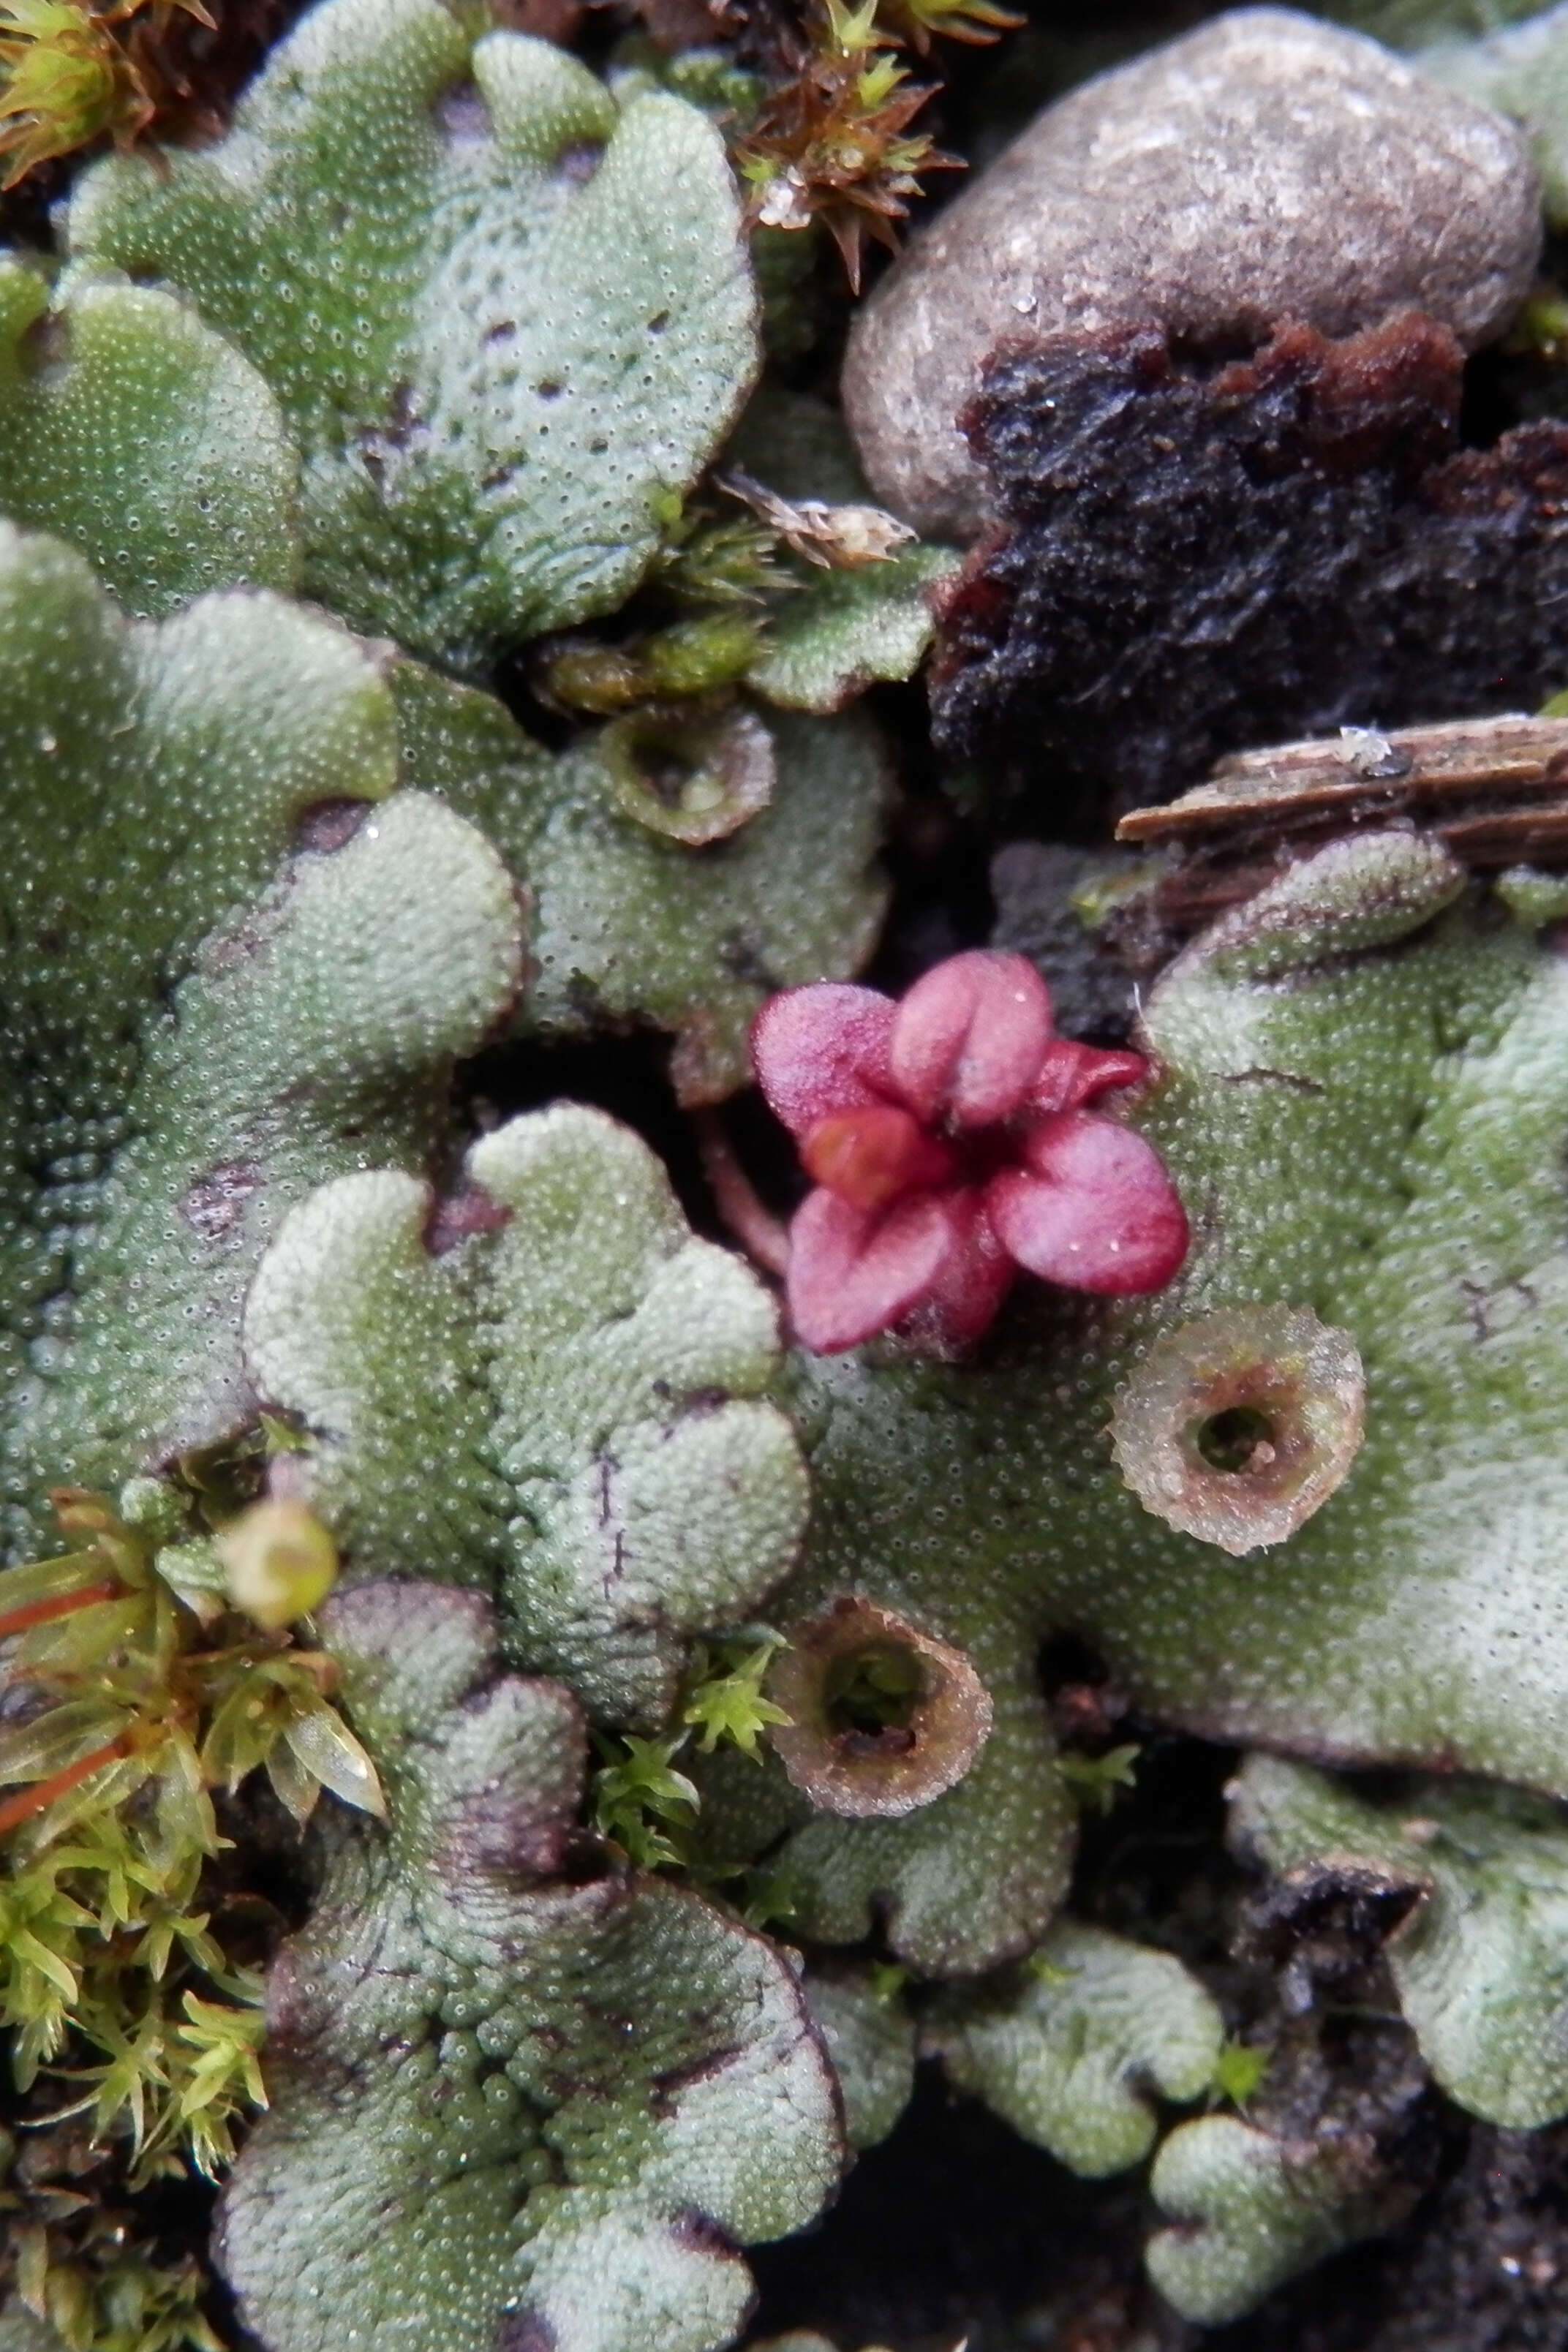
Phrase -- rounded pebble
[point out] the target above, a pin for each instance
(1265, 167)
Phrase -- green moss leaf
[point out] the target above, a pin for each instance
(504, 320)
(631, 927)
(842, 630)
(199, 1028)
(146, 440)
(1068, 2049)
(515, 2099)
(570, 1400)
(1249, 2210)
(869, 2037)
(849, 630)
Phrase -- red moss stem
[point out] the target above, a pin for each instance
(62, 1604)
(28, 1801)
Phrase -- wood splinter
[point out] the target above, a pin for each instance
(1494, 791)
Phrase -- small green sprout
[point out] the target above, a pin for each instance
(645, 1807)
(279, 1436)
(1540, 329)
(732, 560)
(729, 1705)
(635, 1791)
(222, 2074)
(149, 2308)
(1097, 1780)
(1237, 2072)
(179, 2072)
(720, 577)
(117, 2300)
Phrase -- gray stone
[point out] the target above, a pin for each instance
(1265, 167)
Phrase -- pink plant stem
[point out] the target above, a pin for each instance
(762, 1236)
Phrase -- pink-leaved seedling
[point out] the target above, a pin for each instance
(950, 1146)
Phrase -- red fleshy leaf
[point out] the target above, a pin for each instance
(868, 1157)
(821, 1049)
(1093, 1208)
(853, 1273)
(969, 1037)
(1072, 1075)
(967, 1291)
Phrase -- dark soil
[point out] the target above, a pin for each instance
(954, 2229)
(1198, 555)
